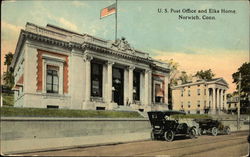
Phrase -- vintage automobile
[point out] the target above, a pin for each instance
(167, 128)
(214, 127)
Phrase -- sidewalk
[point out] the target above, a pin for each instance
(32, 145)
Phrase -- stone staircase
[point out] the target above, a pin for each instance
(124, 108)
(128, 108)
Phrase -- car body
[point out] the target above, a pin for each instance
(166, 127)
(214, 127)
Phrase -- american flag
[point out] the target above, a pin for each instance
(108, 10)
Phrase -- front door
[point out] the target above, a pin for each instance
(118, 85)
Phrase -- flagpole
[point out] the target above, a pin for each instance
(116, 21)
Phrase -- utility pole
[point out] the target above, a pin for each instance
(238, 108)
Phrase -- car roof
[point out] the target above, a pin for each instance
(168, 113)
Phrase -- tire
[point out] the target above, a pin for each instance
(214, 131)
(152, 135)
(192, 133)
(227, 130)
(199, 132)
(169, 136)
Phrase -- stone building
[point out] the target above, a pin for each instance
(58, 68)
(200, 96)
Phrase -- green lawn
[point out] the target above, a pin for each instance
(193, 116)
(38, 112)
(8, 99)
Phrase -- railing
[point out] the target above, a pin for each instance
(44, 31)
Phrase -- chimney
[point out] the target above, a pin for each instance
(194, 79)
(179, 82)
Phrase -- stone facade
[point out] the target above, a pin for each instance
(54, 67)
(200, 96)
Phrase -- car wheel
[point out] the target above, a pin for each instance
(169, 136)
(153, 135)
(214, 131)
(192, 133)
(227, 130)
(199, 132)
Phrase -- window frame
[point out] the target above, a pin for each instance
(136, 85)
(198, 103)
(182, 92)
(52, 61)
(54, 73)
(99, 77)
(198, 91)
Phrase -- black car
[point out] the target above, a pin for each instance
(167, 128)
(210, 126)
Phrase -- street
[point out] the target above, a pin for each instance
(233, 145)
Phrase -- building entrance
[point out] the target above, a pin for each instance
(118, 85)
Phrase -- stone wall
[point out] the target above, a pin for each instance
(34, 128)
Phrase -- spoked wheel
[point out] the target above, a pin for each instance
(214, 131)
(153, 137)
(227, 130)
(169, 135)
(192, 133)
(199, 132)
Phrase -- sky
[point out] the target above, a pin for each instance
(221, 44)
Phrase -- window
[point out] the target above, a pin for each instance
(205, 103)
(182, 105)
(182, 92)
(189, 93)
(52, 106)
(136, 86)
(52, 79)
(198, 92)
(96, 80)
(198, 103)
(189, 104)
(204, 91)
(158, 93)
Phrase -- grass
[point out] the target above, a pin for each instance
(43, 112)
(193, 116)
(8, 99)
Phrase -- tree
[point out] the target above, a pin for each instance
(245, 75)
(245, 86)
(172, 79)
(8, 75)
(8, 79)
(8, 59)
(205, 75)
(185, 77)
(173, 70)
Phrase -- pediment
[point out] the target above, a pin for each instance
(221, 81)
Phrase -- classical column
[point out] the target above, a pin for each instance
(213, 98)
(221, 99)
(149, 87)
(166, 90)
(126, 94)
(207, 99)
(142, 89)
(217, 98)
(109, 81)
(225, 100)
(87, 60)
(146, 93)
(130, 83)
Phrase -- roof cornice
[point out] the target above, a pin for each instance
(202, 82)
(70, 45)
